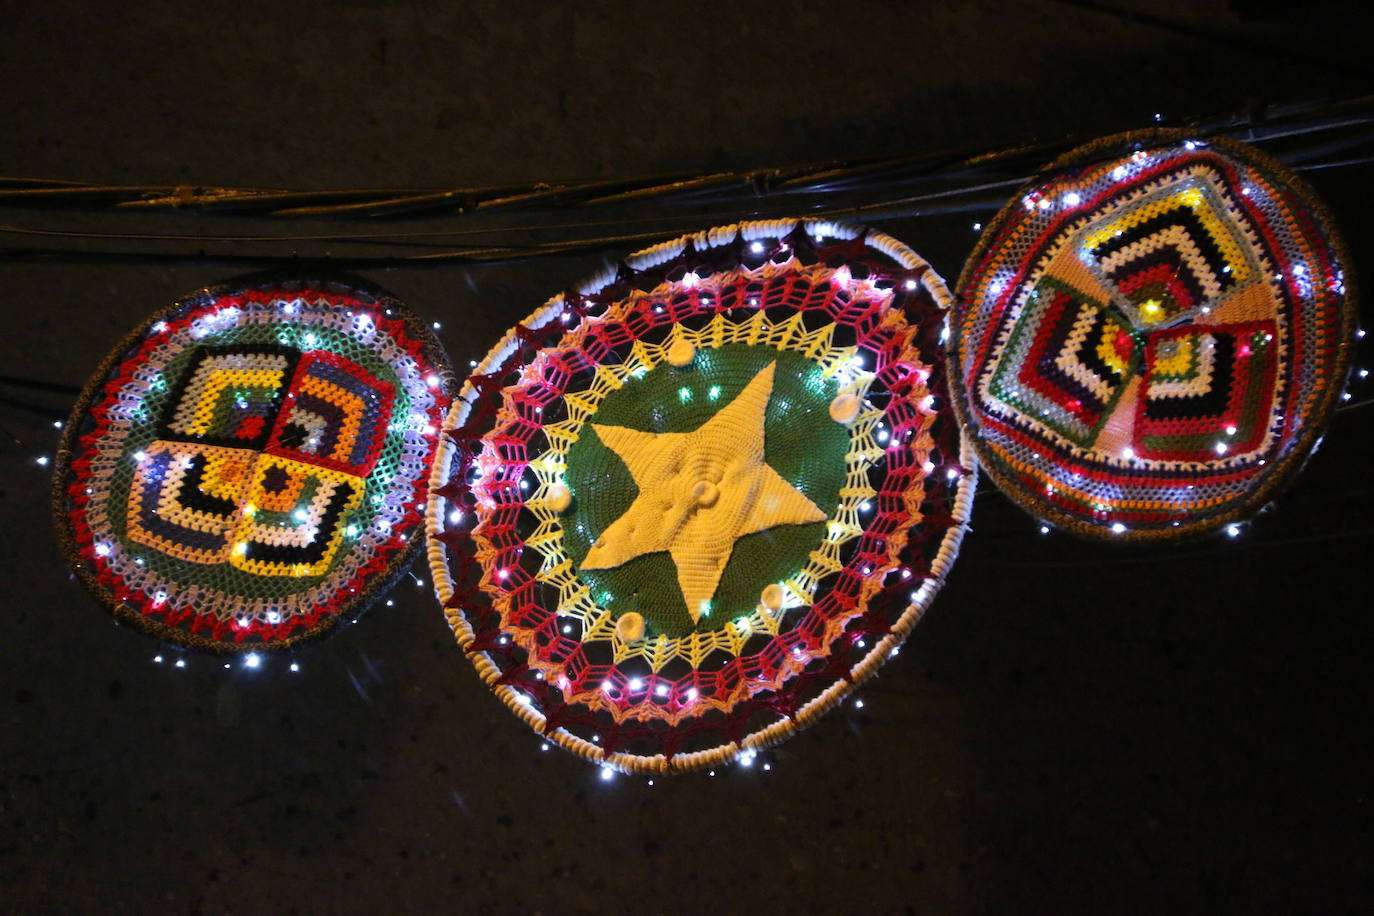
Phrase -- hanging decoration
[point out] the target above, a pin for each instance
(684, 510)
(249, 466)
(1148, 341)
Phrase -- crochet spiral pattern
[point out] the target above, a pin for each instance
(1148, 342)
(250, 465)
(682, 511)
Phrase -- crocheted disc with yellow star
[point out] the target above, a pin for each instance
(681, 511)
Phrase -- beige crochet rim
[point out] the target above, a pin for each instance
(833, 695)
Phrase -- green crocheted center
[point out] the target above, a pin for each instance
(801, 442)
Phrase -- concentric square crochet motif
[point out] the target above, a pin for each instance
(250, 465)
(1148, 341)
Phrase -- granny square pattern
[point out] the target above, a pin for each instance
(1148, 340)
(251, 464)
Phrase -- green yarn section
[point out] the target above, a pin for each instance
(801, 442)
(223, 576)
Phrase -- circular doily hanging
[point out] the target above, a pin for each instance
(685, 509)
(1148, 342)
(250, 465)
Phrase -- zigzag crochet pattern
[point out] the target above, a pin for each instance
(1148, 341)
(684, 509)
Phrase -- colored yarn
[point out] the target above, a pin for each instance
(249, 465)
(688, 355)
(1148, 342)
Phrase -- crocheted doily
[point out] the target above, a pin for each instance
(1147, 343)
(250, 465)
(684, 509)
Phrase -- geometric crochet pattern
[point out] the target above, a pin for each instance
(250, 465)
(684, 509)
(1148, 343)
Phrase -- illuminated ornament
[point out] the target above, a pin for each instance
(657, 537)
(1148, 343)
(250, 465)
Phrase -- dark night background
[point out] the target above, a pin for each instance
(1073, 728)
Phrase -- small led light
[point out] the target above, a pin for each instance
(1233, 530)
(1118, 528)
(140, 456)
(607, 774)
(158, 659)
(977, 227)
(1221, 448)
(180, 663)
(756, 247)
(252, 660)
(1044, 529)
(56, 424)
(437, 325)
(1072, 199)
(858, 704)
(661, 690)
(42, 460)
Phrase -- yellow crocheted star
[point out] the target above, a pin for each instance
(699, 492)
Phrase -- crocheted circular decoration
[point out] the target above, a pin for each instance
(684, 509)
(249, 465)
(1148, 342)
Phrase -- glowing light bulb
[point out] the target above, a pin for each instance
(252, 660)
(1118, 528)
